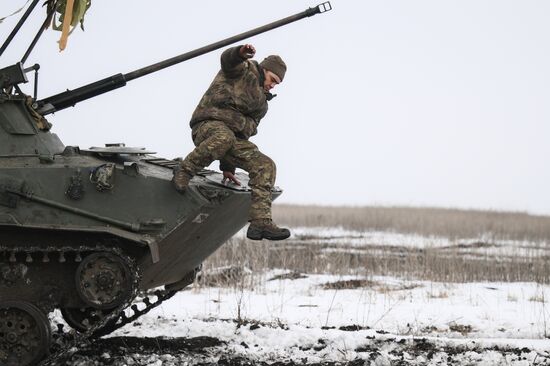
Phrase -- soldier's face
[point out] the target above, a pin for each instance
(271, 80)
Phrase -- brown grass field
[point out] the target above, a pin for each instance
(452, 223)
(525, 257)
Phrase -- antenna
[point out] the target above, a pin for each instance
(18, 26)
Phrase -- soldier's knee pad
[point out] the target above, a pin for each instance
(268, 167)
(227, 139)
(272, 165)
(220, 145)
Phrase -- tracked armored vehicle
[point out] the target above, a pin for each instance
(87, 230)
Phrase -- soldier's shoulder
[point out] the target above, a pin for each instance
(253, 63)
(253, 66)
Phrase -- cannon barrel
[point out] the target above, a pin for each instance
(70, 97)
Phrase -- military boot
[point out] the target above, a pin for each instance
(181, 179)
(266, 229)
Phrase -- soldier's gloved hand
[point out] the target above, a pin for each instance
(229, 175)
(247, 51)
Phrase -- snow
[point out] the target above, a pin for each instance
(338, 239)
(299, 319)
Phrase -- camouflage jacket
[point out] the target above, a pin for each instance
(236, 95)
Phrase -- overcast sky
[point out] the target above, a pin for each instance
(432, 103)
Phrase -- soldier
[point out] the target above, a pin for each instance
(227, 115)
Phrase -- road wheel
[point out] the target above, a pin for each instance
(25, 334)
(103, 281)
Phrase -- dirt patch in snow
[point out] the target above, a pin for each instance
(349, 284)
(365, 283)
(293, 275)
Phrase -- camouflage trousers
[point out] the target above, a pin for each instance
(215, 141)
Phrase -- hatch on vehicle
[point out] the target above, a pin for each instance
(119, 148)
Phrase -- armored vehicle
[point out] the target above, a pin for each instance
(87, 230)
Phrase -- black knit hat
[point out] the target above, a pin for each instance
(275, 64)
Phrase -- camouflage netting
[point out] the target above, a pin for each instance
(68, 14)
(65, 14)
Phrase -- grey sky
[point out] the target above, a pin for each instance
(439, 103)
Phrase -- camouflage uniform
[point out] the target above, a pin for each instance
(227, 115)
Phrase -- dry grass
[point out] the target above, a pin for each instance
(461, 263)
(451, 223)
(409, 263)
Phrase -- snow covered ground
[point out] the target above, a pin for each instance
(317, 319)
(286, 318)
(342, 239)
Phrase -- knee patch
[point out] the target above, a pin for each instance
(228, 139)
(270, 165)
(267, 170)
(218, 145)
